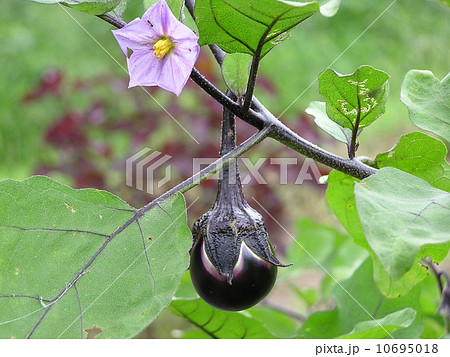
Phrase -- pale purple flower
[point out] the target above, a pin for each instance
(164, 50)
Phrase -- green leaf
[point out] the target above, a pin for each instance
(309, 296)
(355, 100)
(319, 112)
(446, 2)
(94, 7)
(318, 245)
(177, 6)
(50, 232)
(341, 199)
(235, 71)
(428, 101)
(421, 156)
(401, 213)
(249, 26)
(119, 10)
(218, 323)
(278, 323)
(389, 323)
(358, 303)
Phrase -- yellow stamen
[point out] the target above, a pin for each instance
(162, 47)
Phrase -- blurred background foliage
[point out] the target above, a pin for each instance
(66, 112)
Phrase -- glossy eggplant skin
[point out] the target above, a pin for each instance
(253, 279)
(233, 265)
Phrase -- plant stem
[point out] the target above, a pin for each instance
(210, 170)
(251, 81)
(230, 187)
(261, 118)
(294, 314)
(437, 274)
(353, 145)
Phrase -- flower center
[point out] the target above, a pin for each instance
(162, 47)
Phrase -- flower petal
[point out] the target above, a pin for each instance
(144, 69)
(170, 72)
(159, 16)
(180, 32)
(177, 70)
(136, 35)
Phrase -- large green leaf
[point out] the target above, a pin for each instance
(94, 7)
(355, 100)
(341, 199)
(217, 323)
(428, 101)
(49, 232)
(249, 26)
(421, 156)
(401, 213)
(362, 312)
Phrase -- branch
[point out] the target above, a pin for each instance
(261, 118)
(210, 170)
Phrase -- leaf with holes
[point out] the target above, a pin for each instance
(249, 26)
(421, 156)
(400, 214)
(362, 312)
(94, 7)
(428, 101)
(354, 100)
(217, 323)
(73, 264)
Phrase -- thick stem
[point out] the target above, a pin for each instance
(230, 188)
(210, 170)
